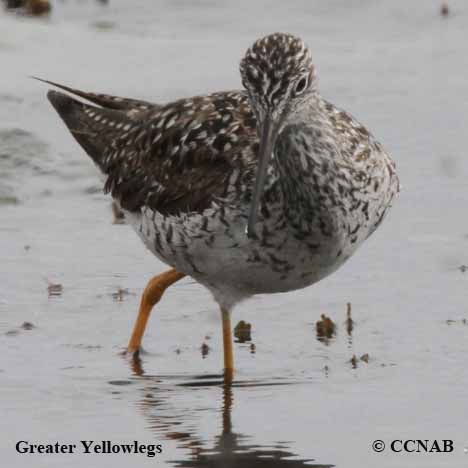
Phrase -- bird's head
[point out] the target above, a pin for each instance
(279, 76)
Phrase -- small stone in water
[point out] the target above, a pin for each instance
(325, 327)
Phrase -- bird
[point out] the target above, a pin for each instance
(265, 189)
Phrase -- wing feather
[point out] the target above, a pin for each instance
(174, 158)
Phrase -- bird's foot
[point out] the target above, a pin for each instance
(132, 355)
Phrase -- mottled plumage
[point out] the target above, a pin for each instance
(310, 182)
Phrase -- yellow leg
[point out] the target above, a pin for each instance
(151, 296)
(227, 345)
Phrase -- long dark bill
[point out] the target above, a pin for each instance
(268, 136)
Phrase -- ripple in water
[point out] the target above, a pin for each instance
(22, 156)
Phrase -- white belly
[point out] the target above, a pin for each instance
(232, 266)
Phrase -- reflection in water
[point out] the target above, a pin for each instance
(230, 449)
(349, 324)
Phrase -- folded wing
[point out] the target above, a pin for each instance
(174, 158)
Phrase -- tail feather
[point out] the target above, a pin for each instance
(94, 128)
(104, 100)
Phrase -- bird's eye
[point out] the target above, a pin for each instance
(301, 86)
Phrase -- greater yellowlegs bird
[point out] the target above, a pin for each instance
(264, 190)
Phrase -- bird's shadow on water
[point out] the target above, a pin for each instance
(230, 449)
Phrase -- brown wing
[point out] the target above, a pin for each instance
(174, 158)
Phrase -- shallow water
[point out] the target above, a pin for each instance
(400, 68)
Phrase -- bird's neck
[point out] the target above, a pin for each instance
(307, 163)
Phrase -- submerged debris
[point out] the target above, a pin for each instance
(120, 294)
(103, 25)
(9, 200)
(325, 328)
(451, 321)
(27, 326)
(365, 358)
(87, 347)
(354, 360)
(205, 349)
(444, 9)
(23, 326)
(242, 331)
(463, 268)
(391, 364)
(54, 289)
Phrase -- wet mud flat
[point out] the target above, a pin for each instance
(304, 394)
